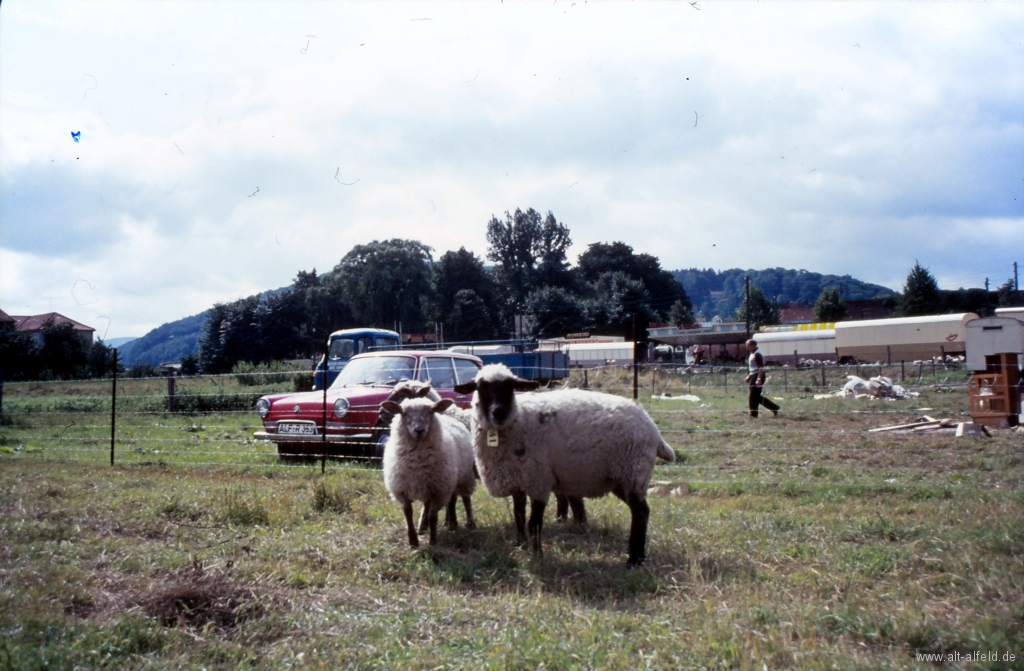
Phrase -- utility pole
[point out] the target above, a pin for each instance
(746, 310)
(986, 285)
(1016, 284)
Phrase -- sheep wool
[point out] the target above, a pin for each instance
(428, 458)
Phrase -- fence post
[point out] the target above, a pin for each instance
(172, 406)
(635, 360)
(888, 356)
(323, 455)
(903, 371)
(1, 393)
(113, 409)
(654, 377)
(822, 375)
(725, 378)
(689, 390)
(785, 379)
(586, 383)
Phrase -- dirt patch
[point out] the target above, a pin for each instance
(197, 598)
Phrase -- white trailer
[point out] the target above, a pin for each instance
(779, 346)
(591, 355)
(902, 339)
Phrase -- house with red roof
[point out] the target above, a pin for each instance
(33, 325)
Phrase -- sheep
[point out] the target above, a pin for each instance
(571, 442)
(413, 388)
(428, 458)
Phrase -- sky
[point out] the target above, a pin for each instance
(159, 157)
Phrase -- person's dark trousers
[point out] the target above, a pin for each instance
(756, 399)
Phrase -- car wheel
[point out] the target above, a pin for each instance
(379, 445)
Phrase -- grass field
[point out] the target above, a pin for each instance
(802, 542)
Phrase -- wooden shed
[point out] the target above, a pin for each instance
(995, 347)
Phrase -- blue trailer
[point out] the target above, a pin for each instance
(345, 344)
(522, 357)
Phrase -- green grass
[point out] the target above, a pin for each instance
(802, 542)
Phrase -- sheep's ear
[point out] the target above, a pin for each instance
(391, 407)
(519, 384)
(467, 388)
(422, 391)
(443, 405)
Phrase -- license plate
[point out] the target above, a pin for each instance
(296, 428)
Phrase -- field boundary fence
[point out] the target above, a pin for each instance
(190, 422)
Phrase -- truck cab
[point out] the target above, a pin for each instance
(345, 344)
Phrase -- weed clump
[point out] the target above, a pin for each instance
(200, 598)
(244, 510)
(327, 497)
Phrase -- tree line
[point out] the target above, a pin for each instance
(396, 282)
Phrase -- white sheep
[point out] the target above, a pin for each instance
(414, 388)
(428, 458)
(570, 442)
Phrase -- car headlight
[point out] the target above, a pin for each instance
(263, 407)
(341, 407)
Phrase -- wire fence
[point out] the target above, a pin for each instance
(210, 421)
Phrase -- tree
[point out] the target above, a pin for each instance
(554, 312)
(1008, 296)
(528, 253)
(469, 318)
(830, 306)
(618, 296)
(681, 313)
(762, 311)
(19, 355)
(386, 282)
(920, 293)
(64, 354)
(663, 289)
(455, 272)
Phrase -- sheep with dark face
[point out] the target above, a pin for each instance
(415, 389)
(571, 442)
(428, 458)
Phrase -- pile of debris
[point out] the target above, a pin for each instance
(876, 387)
(927, 424)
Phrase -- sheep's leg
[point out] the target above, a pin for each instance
(638, 529)
(414, 540)
(561, 508)
(537, 523)
(519, 512)
(433, 525)
(450, 519)
(467, 503)
(579, 511)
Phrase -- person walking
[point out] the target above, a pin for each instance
(755, 378)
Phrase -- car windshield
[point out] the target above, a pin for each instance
(387, 370)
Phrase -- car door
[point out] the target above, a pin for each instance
(465, 371)
(440, 373)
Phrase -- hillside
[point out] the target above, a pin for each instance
(721, 293)
(168, 342)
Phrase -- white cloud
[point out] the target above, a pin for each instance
(834, 137)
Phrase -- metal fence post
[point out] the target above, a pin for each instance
(1, 393)
(823, 375)
(172, 406)
(635, 359)
(323, 455)
(903, 371)
(785, 379)
(113, 409)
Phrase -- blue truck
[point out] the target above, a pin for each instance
(345, 344)
(522, 356)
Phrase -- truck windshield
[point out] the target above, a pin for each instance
(342, 348)
(386, 370)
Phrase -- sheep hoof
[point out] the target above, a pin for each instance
(634, 563)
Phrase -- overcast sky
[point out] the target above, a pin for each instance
(225, 146)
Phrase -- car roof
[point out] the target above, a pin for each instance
(421, 353)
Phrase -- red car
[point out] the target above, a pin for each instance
(295, 421)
